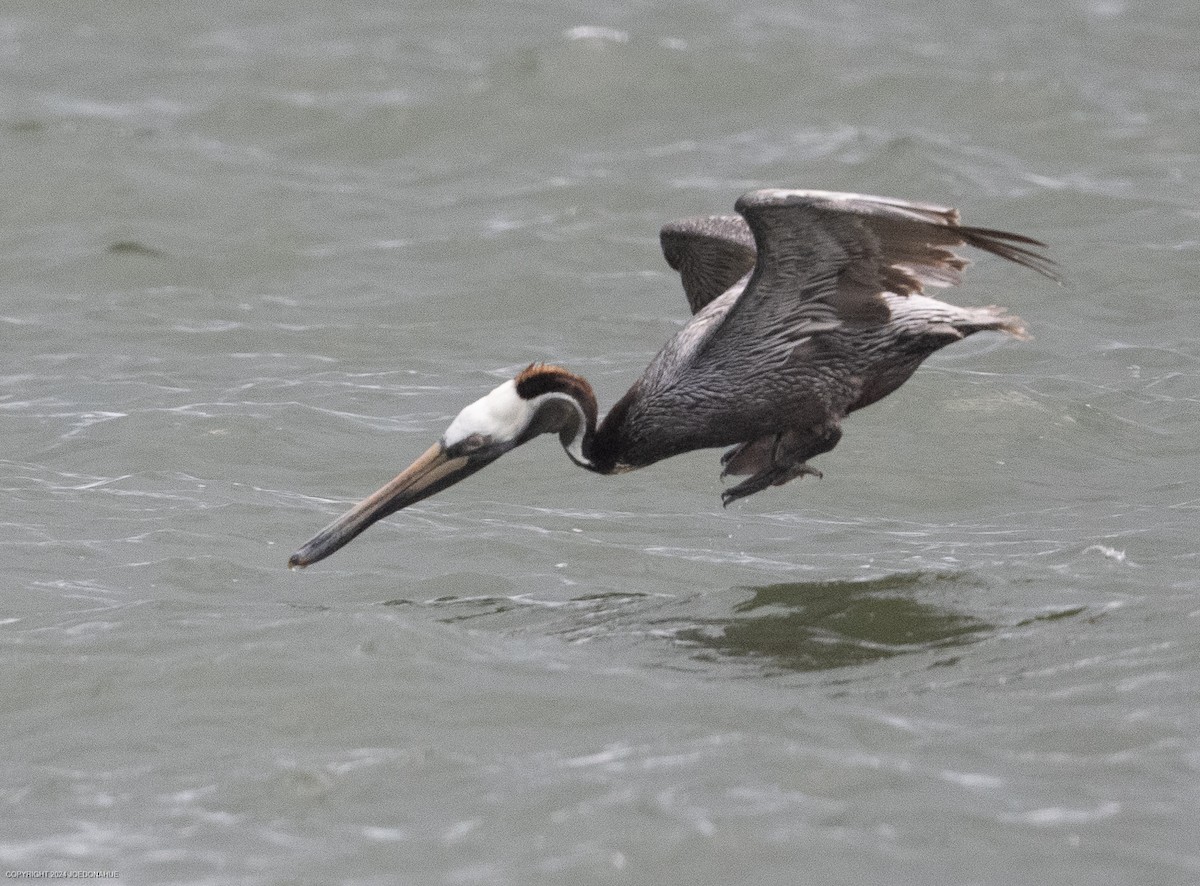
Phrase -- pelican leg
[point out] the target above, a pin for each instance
(776, 460)
(748, 458)
(773, 477)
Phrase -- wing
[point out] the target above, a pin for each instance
(711, 253)
(823, 260)
(826, 258)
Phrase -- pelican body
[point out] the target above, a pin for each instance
(806, 306)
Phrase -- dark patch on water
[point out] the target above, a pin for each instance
(133, 247)
(810, 626)
(1052, 616)
(27, 126)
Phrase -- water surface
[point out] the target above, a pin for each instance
(254, 259)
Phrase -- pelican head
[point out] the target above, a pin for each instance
(541, 400)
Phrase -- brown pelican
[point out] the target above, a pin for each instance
(807, 307)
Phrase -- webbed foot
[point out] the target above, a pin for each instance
(776, 459)
(775, 476)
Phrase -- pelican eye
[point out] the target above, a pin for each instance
(473, 443)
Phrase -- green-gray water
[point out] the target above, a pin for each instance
(254, 257)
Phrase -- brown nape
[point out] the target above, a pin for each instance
(537, 379)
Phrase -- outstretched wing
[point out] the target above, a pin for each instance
(822, 261)
(825, 259)
(711, 253)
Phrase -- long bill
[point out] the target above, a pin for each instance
(428, 475)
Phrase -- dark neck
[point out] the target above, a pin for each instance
(606, 447)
